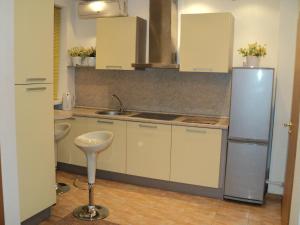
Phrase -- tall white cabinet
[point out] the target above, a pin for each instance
(34, 105)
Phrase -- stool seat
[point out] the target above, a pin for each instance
(94, 142)
(61, 130)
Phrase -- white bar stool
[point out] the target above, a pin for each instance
(92, 144)
(60, 131)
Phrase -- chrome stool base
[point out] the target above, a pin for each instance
(90, 213)
(62, 188)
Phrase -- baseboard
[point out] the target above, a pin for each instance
(38, 218)
(271, 196)
(146, 182)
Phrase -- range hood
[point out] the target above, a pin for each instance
(88, 9)
(163, 39)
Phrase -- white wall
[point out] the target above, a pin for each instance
(7, 115)
(295, 209)
(66, 79)
(270, 22)
(285, 76)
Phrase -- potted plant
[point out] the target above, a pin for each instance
(84, 57)
(253, 53)
(76, 55)
(91, 56)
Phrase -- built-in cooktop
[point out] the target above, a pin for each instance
(202, 120)
(157, 116)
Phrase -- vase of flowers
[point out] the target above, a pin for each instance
(76, 55)
(253, 54)
(91, 56)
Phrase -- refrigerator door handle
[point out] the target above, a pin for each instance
(249, 141)
(36, 79)
(36, 89)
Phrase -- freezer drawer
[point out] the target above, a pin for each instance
(246, 171)
(251, 103)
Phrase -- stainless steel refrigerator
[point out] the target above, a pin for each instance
(250, 134)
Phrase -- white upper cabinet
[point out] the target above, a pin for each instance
(120, 42)
(206, 42)
(34, 41)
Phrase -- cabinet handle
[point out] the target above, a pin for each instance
(36, 79)
(36, 89)
(147, 126)
(196, 131)
(105, 122)
(113, 67)
(202, 69)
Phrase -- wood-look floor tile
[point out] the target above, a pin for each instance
(134, 205)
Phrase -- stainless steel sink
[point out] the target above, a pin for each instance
(112, 113)
(157, 116)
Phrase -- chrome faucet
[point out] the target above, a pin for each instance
(121, 106)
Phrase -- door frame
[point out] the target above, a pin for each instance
(293, 138)
(1, 196)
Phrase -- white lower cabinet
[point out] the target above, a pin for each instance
(148, 150)
(113, 159)
(188, 155)
(67, 152)
(196, 156)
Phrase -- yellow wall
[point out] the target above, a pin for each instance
(56, 46)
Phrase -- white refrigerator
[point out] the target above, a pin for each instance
(250, 134)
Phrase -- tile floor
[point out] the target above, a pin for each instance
(133, 205)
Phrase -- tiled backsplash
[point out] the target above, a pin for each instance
(155, 90)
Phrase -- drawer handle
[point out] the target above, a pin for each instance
(196, 131)
(147, 126)
(72, 118)
(36, 89)
(105, 122)
(113, 67)
(36, 79)
(202, 69)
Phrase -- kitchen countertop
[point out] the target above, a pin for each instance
(182, 120)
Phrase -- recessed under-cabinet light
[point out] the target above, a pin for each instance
(97, 6)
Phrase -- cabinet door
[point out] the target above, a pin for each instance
(114, 158)
(34, 41)
(195, 156)
(148, 150)
(206, 42)
(35, 148)
(116, 43)
(67, 151)
(66, 145)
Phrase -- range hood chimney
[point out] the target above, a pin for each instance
(163, 26)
